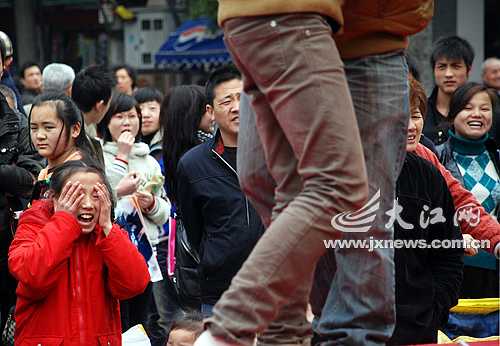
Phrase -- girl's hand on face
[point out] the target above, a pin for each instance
(125, 143)
(146, 200)
(104, 208)
(70, 198)
(128, 184)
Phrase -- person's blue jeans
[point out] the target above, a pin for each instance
(355, 304)
(359, 308)
(206, 310)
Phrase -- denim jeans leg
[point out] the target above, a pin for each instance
(306, 122)
(207, 310)
(360, 308)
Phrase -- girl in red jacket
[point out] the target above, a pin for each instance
(73, 264)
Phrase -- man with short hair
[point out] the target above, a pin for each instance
(491, 73)
(491, 77)
(31, 79)
(91, 92)
(220, 222)
(451, 60)
(58, 78)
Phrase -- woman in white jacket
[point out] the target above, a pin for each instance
(124, 155)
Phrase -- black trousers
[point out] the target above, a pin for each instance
(135, 310)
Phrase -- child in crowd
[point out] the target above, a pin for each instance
(123, 154)
(58, 134)
(185, 330)
(73, 263)
(149, 100)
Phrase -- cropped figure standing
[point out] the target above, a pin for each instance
(17, 175)
(376, 71)
(292, 69)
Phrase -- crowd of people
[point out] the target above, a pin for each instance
(201, 213)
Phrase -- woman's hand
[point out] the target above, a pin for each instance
(128, 184)
(70, 198)
(469, 249)
(104, 208)
(124, 143)
(146, 200)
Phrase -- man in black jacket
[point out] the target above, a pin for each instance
(451, 61)
(220, 222)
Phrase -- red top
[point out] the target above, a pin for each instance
(69, 282)
(487, 228)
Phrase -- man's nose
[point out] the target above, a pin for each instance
(235, 106)
(449, 71)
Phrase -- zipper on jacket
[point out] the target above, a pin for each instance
(237, 176)
(79, 296)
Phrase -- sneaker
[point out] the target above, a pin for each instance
(207, 339)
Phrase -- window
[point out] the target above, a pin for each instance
(146, 58)
(158, 24)
(146, 25)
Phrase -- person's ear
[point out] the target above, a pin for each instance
(69, 90)
(99, 106)
(469, 68)
(75, 130)
(210, 110)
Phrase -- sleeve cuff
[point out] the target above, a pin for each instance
(119, 167)
(496, 252)
(154, 208)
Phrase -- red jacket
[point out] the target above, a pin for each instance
(69, 283)
(488, 228)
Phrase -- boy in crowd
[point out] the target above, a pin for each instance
(92, 92)
(451, 61)
(149, 100)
